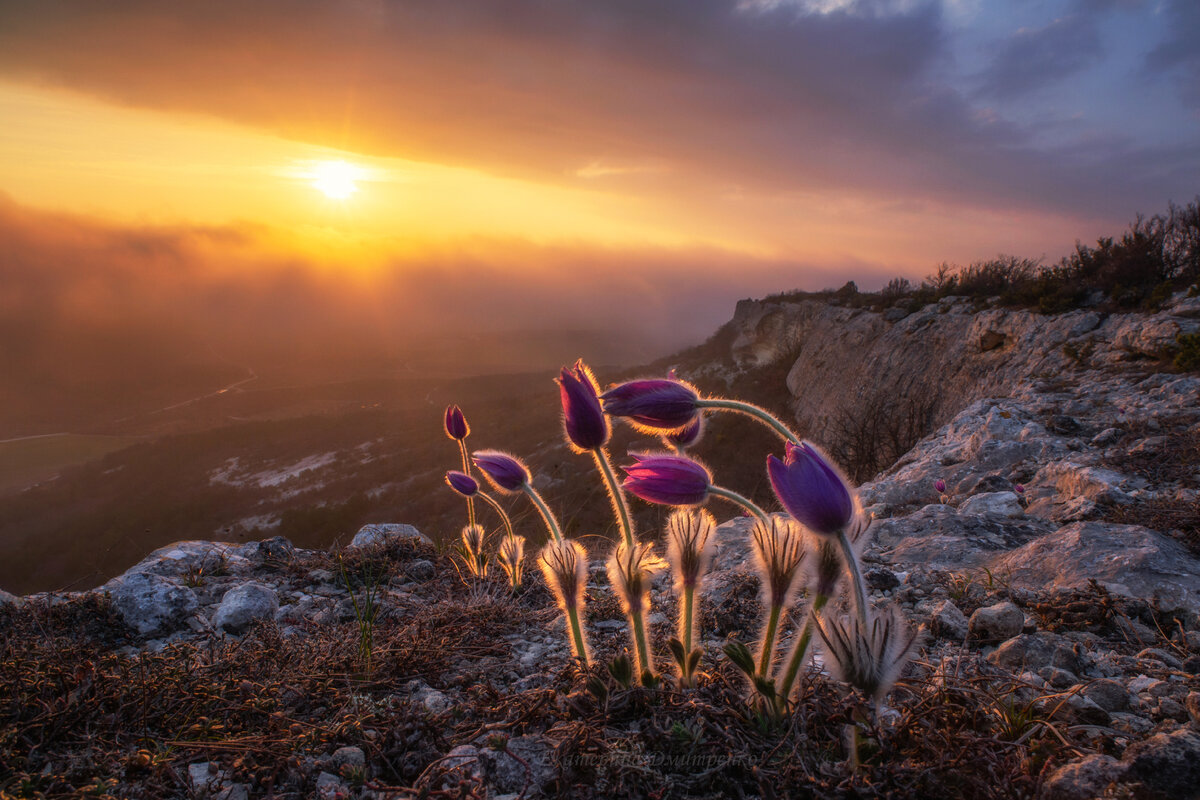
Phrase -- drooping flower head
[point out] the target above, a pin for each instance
(667, 479)
(1018, 488)
(653, 405)
(456, 424)
(462, 483)
(939, 486)
(507, 473)
(778, 550)
(688, 435)
(869, 660)
(583, 419)
(629, 571)
(812, 489)
(511, 557)
(690, 545)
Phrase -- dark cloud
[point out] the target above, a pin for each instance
(1032, 59)
(1178, 55)
(711, 92)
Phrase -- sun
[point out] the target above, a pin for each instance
(336, 179)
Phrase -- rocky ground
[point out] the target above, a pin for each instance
(1056, 575)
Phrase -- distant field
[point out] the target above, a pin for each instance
(28, 460)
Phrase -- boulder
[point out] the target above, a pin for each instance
(7, 599)
(1130, 559)
(1085, 779)
(245, 604)
(151, 604)
(386, 535)
(949, 622)
(1036, 650)
(996, 623)
(1168, 764)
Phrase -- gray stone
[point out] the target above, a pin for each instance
(507, 774)
(212, 783)
(949, 622)
(1108, 694)
(331, 787)
(151, 604)
(1085, 779)
(1167, 763)
(420, 570)
(385, 535)
(996, 623)
(7, 599)
(1004, 504)
(348, 757)
(245, 604)
(1034, 651)
(1133, 560)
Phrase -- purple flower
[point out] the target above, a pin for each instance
(666, 479)
(462, 483)
(505, 472)
(583, 418)
(939, 486)
(654, 405)
(1018, 488)
(812, 489)
(456, 423)
(688, 435)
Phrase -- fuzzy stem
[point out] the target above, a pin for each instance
(577, 634)
(640, 644)
(689, 605)
(768, 644)
(737, 499)
(751, 410)
(615, 494)
(547, 517)
(856, 579)
(499, 510)
(462, 448)
(800, 649)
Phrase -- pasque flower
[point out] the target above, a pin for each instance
(564, 565)
(511, 557)
(868, 654)
(584, 420)
(667, 479)
(456, 424)
(630, 570)
(462, 483)
(505, 472)
(939, 486)
(812, 489)
(655, 404)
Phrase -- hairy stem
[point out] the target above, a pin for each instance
(856, 579)
(462, 448)
(751, 410)
(577, 635)
(547, 517)
(768, 643)
(800, 649)
(640, 644)
(615, 494)
(499, 510)
(737, 499)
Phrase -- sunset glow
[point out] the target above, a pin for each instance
(336, 179)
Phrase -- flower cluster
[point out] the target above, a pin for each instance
(811, 549)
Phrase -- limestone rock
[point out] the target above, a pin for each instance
(1036, 650)
(1084, 779)
(151, 604)
(949, 622)
(386, 534)
(1131, 559)
(1167, 763)
(245, 604)
(1004, 504)
(996, 623)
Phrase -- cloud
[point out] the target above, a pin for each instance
(1034, 58)
(1178, 54)
(775, 96)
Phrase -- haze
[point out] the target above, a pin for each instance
(621, 170)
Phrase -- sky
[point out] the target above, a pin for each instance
(500, 164)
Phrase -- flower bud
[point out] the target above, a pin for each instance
(586, 425)
(456, 423)
(505, 472)
(667, 479)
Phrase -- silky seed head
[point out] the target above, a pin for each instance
(779, 550)
(690, 545)
(629, 571)
(564, 564)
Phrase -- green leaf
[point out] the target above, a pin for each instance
(676, 647)
(693, 660)
(741, 657)
(621, 668)
(597, 688)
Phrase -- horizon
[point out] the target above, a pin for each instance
(333, 188)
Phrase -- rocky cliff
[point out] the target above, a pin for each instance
(1055, 572)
